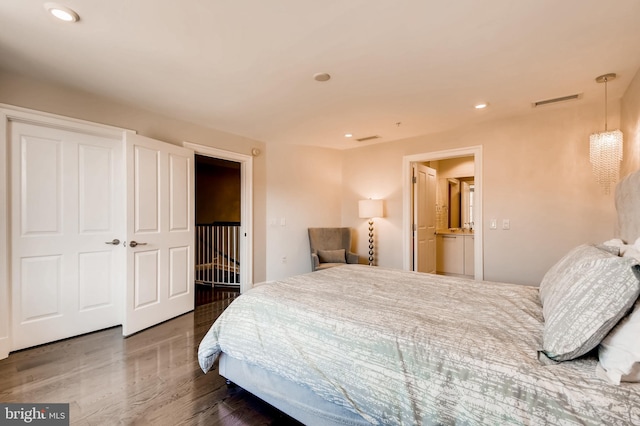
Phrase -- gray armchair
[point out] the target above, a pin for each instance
(330, 247)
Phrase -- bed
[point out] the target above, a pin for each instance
(356, 345)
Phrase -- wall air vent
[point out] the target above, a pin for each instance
(556, 100)
(367, 138)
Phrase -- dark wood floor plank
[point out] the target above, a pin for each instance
(152, 377)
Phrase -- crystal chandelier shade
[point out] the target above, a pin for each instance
(605, 148)
(605, 154)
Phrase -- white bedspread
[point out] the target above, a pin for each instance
(408, 348)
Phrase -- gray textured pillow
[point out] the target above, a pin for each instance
(585, 296)
(552, 280)
(332, 256)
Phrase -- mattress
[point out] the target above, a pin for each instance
(397, 347)
(297, 400)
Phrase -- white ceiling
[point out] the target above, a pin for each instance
(247, 66)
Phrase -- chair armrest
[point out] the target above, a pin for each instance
(352, 258)
(315, 261)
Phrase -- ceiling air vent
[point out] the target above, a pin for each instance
(367, 138)
(556, 100)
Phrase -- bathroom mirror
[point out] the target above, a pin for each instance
(454, 203)
(458, 201)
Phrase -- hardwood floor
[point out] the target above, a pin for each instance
(150, 378)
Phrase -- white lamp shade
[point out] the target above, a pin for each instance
(370, 208)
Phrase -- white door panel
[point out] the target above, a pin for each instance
(146, 189)
(95, 280)
(95, 188)
(66, 203)
(40, 184)
(40, 288)
(179, 175)
(425, 218)
(160, 220)
(147, 279)
(178, 271)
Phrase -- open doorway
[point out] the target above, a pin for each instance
(217, 227)
(245, 233)
(452, 232)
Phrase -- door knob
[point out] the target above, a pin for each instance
(134, 244)
(115, 242)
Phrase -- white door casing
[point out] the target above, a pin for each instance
(424, 213)
(246, 206)
(407, 233)
(66, 203)
(160, 232)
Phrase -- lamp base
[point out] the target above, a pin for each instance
(371, 243)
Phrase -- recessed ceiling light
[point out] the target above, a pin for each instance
(348, 135)
(61, 12)
(482, 105)
(321, 76)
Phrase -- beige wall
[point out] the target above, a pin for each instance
(28, 93)
(536, 172)
(304, 187)
(455, 167)
(630, 126)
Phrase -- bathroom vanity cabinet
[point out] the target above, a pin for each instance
(455, 254)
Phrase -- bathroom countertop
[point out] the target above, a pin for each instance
(454, 232)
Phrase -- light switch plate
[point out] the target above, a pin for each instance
(493, 224)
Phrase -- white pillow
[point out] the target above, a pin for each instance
(619, 352)
(625, 250)
(616, 242)
(631, 252)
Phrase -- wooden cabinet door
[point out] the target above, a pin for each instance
(450, 259)
(469, 264)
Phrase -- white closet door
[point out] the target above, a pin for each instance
(160, 232)
(67, 202)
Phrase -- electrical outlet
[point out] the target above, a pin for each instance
(506, 224)
(284, 259)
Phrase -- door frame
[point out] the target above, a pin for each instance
(10, 113)
(246, 205)
(407, 225)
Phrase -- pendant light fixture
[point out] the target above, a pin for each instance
(605, 148)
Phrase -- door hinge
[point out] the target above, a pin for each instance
(415, 227)
(414, 179)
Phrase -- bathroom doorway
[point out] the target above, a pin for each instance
(466, 217)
